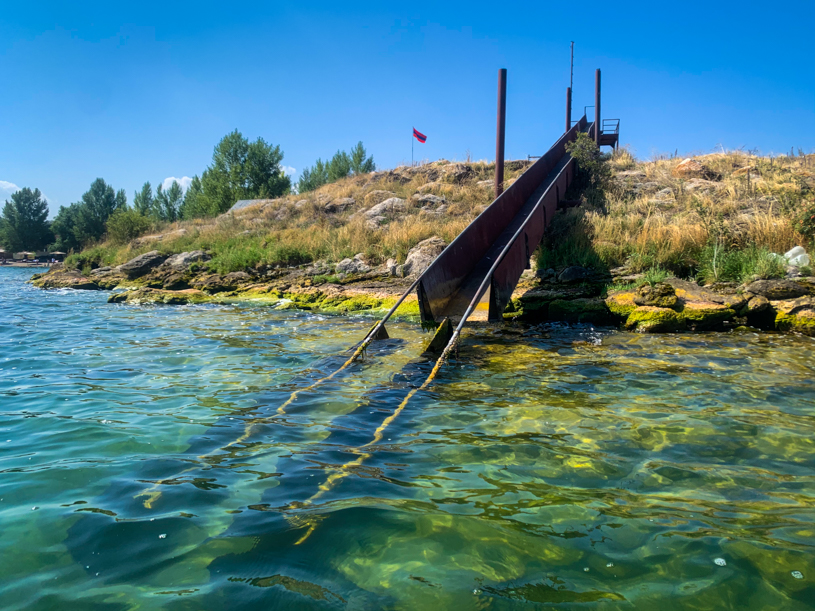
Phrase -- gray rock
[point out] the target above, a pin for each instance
(660, 295)
(235, 278)
(353, 266)
(378, 195)
(340, 205)
(776, 289)
(390, 206)
(428, 199)
(246, 203)
(182, 261)
(138, 266)
(375, 222)
(574, 273)
(101, 270)
(390, 266)
(422, 255)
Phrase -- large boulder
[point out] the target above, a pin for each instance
(390, 206)
(339, 205)
(691, 168)
(776, 289)
(138, 266)
(182, 261)
(425, 199)
(422, 255)
(353, 266)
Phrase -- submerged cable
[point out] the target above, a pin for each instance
(153, 493)
(345, 470)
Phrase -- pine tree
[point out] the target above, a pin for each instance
(24, 225)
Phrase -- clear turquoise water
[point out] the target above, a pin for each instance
(552, 466)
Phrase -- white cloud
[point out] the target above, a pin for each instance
(184, 181)
(8, 187)
(289, 171)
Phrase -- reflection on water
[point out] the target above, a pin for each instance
(549, 466)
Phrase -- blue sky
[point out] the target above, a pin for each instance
(142, 91)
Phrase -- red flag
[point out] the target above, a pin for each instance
(419, 136)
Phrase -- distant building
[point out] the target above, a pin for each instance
(5, 255)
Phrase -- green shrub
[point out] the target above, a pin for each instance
(125, 225)
(721, 264)
(655, 275)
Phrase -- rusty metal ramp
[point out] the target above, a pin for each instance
(484, 263)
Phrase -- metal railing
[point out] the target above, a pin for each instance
(610, 126)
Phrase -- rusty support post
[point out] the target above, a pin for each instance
(597, 122)
(568, 108)
(501, 132)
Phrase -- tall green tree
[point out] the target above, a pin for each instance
(24, 224)
(195, 205)
(313, 178)
(167, 203)
(361, 163)
(98, 203)
(143, 200)
(339, 166)
(243, 170)
(64, 228)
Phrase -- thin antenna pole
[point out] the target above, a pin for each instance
(411, 151)
(571, 74)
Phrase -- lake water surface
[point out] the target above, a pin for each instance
(144, 464)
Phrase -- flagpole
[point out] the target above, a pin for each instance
(411, 150)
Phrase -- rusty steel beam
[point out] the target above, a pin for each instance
(500, 133)
(568, 108)
(445, 287)
(597, 129)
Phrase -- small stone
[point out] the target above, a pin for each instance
(162, 536)
(720, 562)
(797, 574)
(586, 570)
(35, 508)
(609, 564)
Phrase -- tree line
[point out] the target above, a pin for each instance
(240, 169)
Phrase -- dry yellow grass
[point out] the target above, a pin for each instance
(655, 217)
(303, 228)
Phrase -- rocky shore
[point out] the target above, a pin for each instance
(573, 294)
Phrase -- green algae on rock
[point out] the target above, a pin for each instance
(653, 319)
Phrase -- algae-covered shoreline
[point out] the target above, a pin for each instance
(656, 246)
